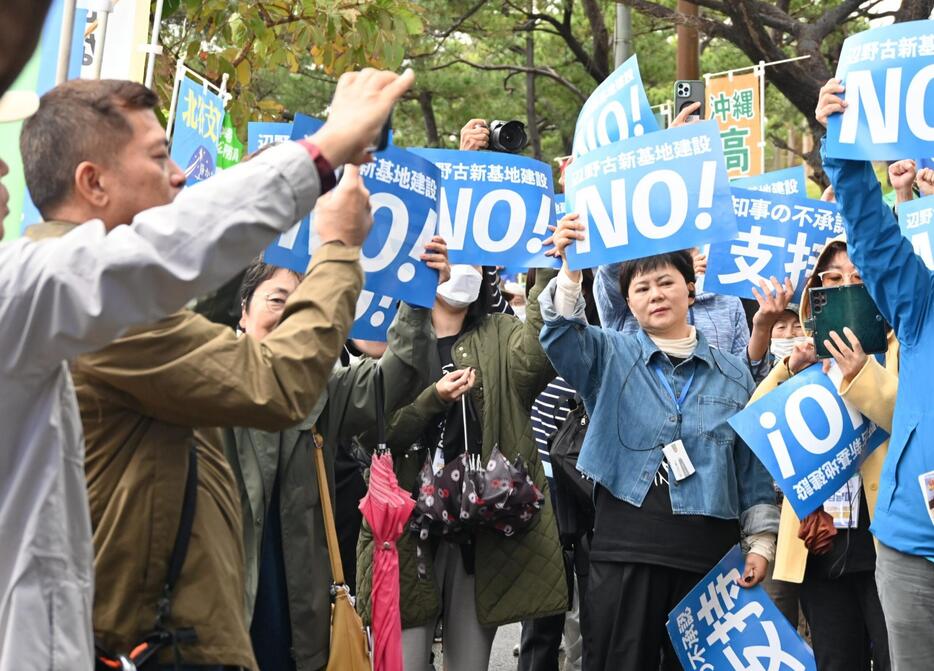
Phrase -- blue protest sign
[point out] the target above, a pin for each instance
(722, 626)
(887, 73)
(651, 194)
(779, 236)
(561, 206)
(403, 189)
(790, 181)
(809, 438)
(304, 125)
(493, 208)
(199, 117)
(916, 219)
(261, 133)
(617, 110)
(373, 316)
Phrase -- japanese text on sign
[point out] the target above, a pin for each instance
(262, 133)
(618, 109)
(887, 73)
(733, 102)
(790, 181)
(916, 219)
(494, 209)
(199, 119)
(404, 221)
(809, 438)
(720, 626)
(641, 197)
(779, 236)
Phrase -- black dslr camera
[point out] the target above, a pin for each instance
(508, 136)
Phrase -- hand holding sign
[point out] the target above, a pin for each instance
(809, 438)
(568, 230)
(829, 101)
(361, 104)
(885, 114)
(648, 195)
(343, 215)
(720, 626)
(436, 258)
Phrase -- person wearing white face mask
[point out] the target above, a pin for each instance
(786, 334)
(496, 363)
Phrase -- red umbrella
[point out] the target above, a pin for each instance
(387, 508)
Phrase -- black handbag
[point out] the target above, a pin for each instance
(574, 507)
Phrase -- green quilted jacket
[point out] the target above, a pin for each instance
(517, 578)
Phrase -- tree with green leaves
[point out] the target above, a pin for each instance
(246, 40)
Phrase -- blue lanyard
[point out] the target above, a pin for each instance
(679, 401)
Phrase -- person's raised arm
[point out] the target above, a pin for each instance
(895, 276)
(574, 348)
(270, 384)
(772, 301)
(76, 293)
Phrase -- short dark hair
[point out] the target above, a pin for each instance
(80, 120)
(681, 261)
(256, 273)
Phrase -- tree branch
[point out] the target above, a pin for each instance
(564, 30)
(547, 72)
(600, 36)
(707, 26)
(445, 34)
(837, 15)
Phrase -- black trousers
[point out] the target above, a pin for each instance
(847, 625)
(628, 607)
(541, 643)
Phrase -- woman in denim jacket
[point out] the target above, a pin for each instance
(659, 528)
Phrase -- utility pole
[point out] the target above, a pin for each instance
(622, 42)
(531, 117)
(688, 46)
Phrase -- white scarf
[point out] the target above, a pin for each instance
(681, 348)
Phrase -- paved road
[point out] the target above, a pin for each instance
(501, 659)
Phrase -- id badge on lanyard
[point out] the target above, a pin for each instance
(675, 452)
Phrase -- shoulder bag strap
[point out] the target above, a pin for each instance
(324, 495)
(182, 537)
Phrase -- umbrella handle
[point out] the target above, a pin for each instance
(381, 446)
(464, 418)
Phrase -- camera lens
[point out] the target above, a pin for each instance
(508, 136)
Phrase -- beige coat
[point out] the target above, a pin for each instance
(872, 392)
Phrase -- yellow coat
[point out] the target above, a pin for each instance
(873, 392)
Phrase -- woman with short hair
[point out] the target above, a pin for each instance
(654, 397)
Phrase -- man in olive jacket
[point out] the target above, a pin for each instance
(142, 397)
(259, 459)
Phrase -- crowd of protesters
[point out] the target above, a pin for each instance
(158, 481)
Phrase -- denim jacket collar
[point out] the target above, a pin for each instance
(649, 348)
